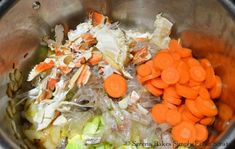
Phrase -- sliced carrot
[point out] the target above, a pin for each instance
(43, 66)
(115, 86)
(215, 92)
(183, 70)
(186, 91)
(170, 75)
(206, 106)
(172, 100)
(190, 116)
(159, 83)
(95, 58)
(225, 111)
(176, 56)
(155, 70)
(174, 45)
(193, 83)
(181, 108)
(197, 73)
(205, 63)
(210, 82)
(143, 70)
(153, 90)
(203, 92)
(184, 132)
(207, 121)
(171, 92)
(170, 105)
(185, 52)
(173, 117)
(190, 104)
(150, 77)
(210, 74)
(201, 133)
(51, 83)
(163, 60)
(158, 113)
(196, 88)
(192, 62)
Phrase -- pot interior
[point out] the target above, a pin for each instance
(204, 26)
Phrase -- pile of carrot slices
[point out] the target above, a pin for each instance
(188, 87)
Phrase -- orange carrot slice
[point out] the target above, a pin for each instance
(210, 74)
(170, 105)
(159, 83)
(183, 72)
(203, 92)
(193, 83)
(206, 106)
(174, 45)
(144, 70)
(215, 92)
(205, 63)
(171, 92)
(186, 91)
(207, 121)
(184, 132)
(115, 86)
(225, 111)
(192, 62)
(197, 73)
(153, 90)
(175, 55)
(196, 88)
(172, 100)
(173, 117)
(190, 116)
(185, 52)
(170, 75)
(201, 133)
(181, 108)
(163, 60)
(150, 77)
(190, 104)
(155, 70)
(158, 113)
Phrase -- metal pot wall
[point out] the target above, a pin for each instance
(204, 26)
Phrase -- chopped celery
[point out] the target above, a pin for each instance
(76, 143)
(92, 127)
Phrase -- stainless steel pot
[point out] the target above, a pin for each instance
(204, 26)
